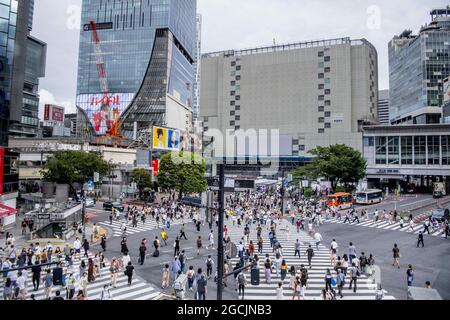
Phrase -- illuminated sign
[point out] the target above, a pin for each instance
(104, 112)
(53, 113)
(99, 26)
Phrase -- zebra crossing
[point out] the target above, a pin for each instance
(150, 224)
(138, 290)
(387, 225)
(366, 289)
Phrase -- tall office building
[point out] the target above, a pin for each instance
(418, 64)
(383, 107)
(29, 65)
(197, 66)
(148, 52)
(316, 93)
(10, 28)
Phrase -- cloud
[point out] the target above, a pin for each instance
(46, 97)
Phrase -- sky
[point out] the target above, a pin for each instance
(239, 24)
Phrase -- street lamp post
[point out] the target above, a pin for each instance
(220, 230)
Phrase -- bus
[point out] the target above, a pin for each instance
(369, 196)
(341, 200)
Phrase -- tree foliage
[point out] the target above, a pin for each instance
(182, 171)
(143, 179)
(74, 166)
(338, 163)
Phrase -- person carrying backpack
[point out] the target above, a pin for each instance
(354, 274)
(209, 266)
(242, 282)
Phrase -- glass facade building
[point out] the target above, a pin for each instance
(8, 21)
(148, 50)
(418, 65)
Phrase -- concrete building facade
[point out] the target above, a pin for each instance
(315, 93)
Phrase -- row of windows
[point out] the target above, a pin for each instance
(419, 150)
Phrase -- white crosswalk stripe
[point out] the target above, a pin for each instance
(390, 226)
(150, 224)
(320, 263)
(138, 290)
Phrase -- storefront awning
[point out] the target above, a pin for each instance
(6, 211)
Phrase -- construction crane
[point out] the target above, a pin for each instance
(110, 115)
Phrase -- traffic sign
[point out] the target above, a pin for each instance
(90, 184)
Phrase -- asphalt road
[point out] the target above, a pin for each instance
(430, 263)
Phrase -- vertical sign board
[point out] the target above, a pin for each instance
(2, 167)
(47, 112)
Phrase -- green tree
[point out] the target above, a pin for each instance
(143, 179)
(338, 163)
(182, 171)
(69, 167)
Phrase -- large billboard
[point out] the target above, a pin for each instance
(447, 90)
(166, 139)
(103, 112)
(53, 113)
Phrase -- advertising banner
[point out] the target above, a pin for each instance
(104, 112)
(166, 139)
(53, 113)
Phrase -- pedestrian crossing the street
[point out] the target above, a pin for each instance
(366, 287)
(150, 224)
(138, 290)
(388, 225)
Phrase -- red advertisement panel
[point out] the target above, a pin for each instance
(47, 112)
(57, 114)
(155, 165)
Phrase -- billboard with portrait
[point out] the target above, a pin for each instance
(166, 139)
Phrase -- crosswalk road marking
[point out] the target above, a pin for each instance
(390, 226)
(150, 224)
(366, 289)
(139, 289)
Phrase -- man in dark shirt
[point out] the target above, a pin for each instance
(310, 253)
(58, 296)
(36, 270)
(420, 239)
(201, 288)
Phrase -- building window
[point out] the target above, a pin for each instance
(380, 150)
(321, 131)
(433, 150)
(238, 88)
(327, 80)
(321, 120)
(321, 75)
(420, 145)
(327, 58)
(321, 108)
(238, 97)
(233, 83)
(328, 114)
(393, 150)
(233, 73)
(327, 103)
(445, 141)
(321, 98)
(321, 64)
(237, 127)
(237, 118)
(237, 108)
(327, 69)
(233, 63)
(327, 91)
(407, 150)
(238, 68)
(232, 93)
(320, 54)
(238, 77)
(327, 125)
(321, 86)
(301, 147)
(232, 113)
(369, 141)
(232, 103)
(232, 123)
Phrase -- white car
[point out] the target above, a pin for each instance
(89, 202)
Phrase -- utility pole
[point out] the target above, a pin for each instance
(282, 191)
(220, 230)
